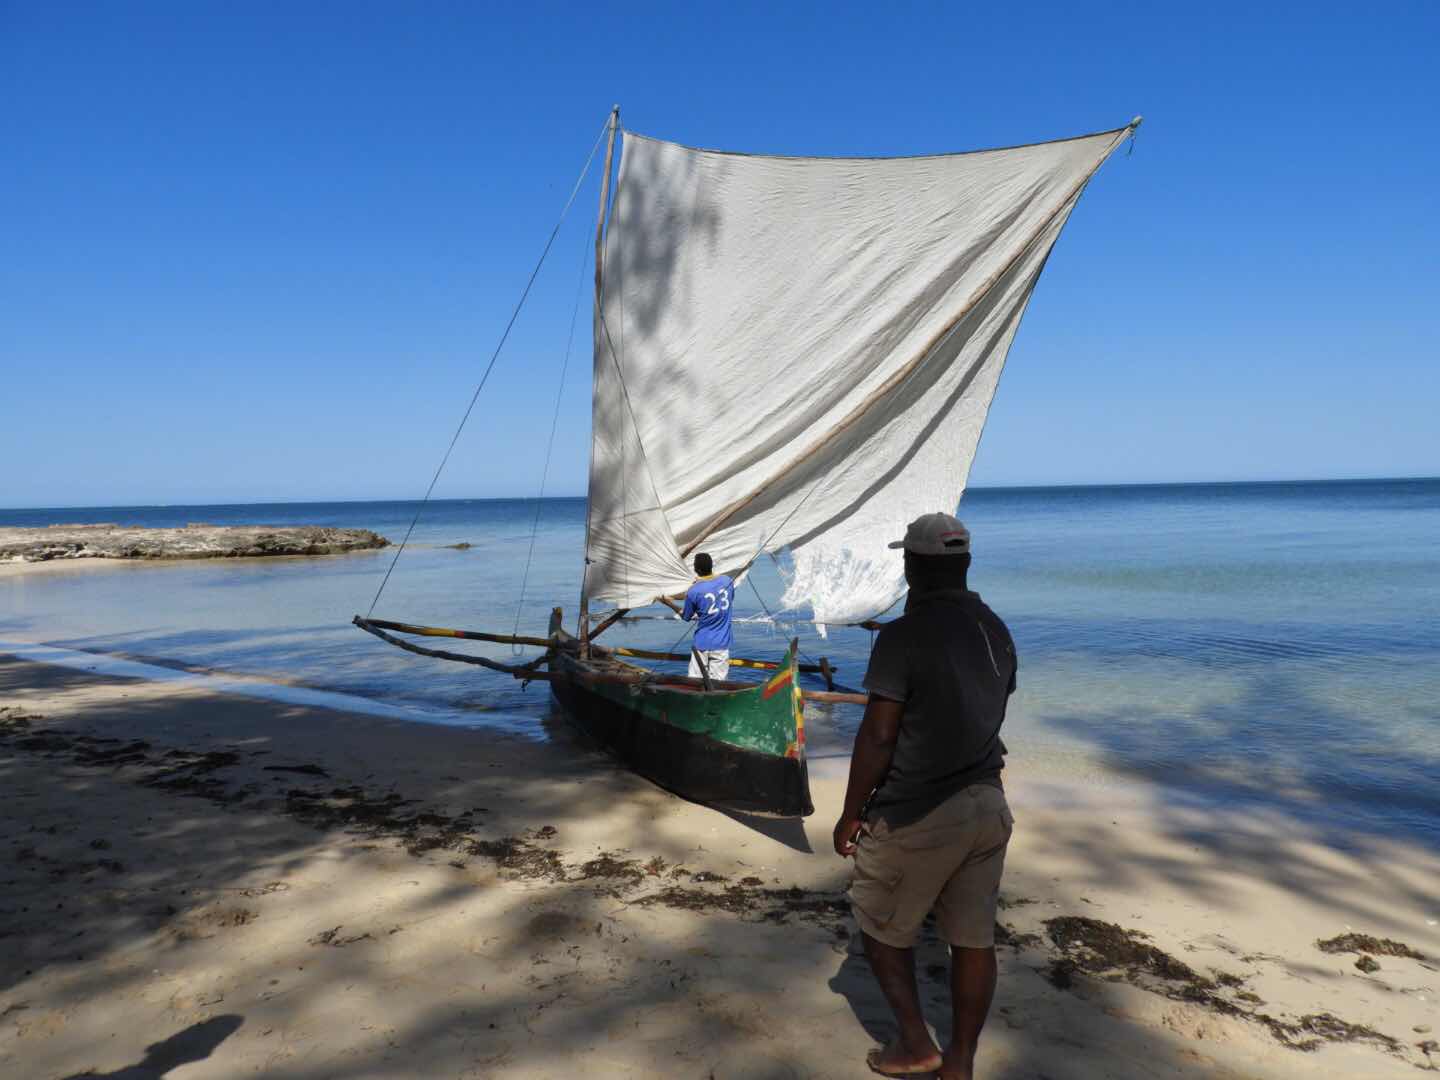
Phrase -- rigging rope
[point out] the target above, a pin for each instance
(774, 621)
(850, 464)
(490, 367)
(644, 458)
(688, 631)
(616, 358)
(923, 361)
(550, 446)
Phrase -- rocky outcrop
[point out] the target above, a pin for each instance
(191, 542)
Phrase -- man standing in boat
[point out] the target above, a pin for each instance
(925, 814)
(709, 600)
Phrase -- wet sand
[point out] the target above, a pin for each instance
(245, 887)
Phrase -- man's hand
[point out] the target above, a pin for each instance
(874, 747)
(846, 830)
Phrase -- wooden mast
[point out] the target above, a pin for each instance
(584, 627)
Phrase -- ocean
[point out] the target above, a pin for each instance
(1267, 644)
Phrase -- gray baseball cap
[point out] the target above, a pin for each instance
(935, 534)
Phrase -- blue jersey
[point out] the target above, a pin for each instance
(709, 598)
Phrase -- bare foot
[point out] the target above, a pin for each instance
(898, 1059)
(954, 1067)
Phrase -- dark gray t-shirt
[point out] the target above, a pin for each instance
(951, 660)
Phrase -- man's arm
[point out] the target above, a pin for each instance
(688, 611)
(869, 762)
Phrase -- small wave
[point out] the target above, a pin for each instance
(105, 664)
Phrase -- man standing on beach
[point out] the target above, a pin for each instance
(709, 600)
(925, 814)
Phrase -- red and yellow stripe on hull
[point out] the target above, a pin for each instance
(785, 678)
(788, 676)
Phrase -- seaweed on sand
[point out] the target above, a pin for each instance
(1364, 943)
(1093, 947)
(1097, 947)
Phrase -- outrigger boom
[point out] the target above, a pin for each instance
(530, 671)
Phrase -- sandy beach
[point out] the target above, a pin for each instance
(1064, 375)
(209, 885)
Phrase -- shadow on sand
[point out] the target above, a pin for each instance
(195, 1043)
(730, 988)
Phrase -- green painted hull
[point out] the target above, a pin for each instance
(740, 750)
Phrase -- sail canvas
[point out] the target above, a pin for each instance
(800, 353)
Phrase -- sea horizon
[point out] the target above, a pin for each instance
(974, 488)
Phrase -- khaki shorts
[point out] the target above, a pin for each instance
(950, 860)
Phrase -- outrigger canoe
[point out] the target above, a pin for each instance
(857, 313)
(733, 745)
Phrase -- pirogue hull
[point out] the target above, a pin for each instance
(734, 749)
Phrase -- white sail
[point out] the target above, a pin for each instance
(800, 353)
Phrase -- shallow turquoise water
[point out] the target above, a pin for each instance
(1270, 642)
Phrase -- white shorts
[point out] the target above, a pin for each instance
(717, 664)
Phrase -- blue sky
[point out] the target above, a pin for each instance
(263, 251)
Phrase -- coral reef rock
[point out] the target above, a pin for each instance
(191, 542)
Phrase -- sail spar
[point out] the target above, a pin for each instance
(801, 352)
